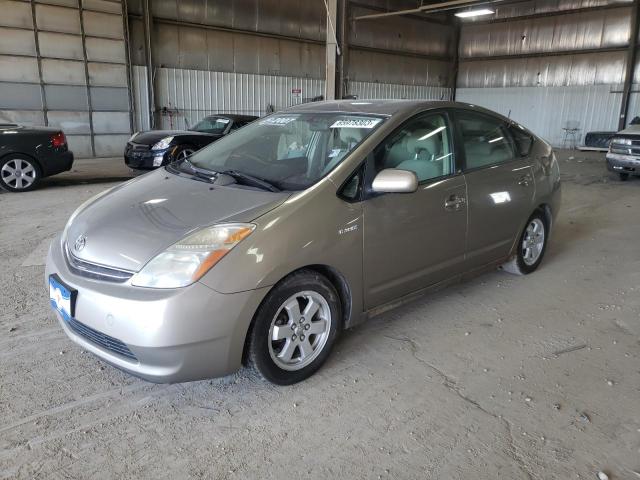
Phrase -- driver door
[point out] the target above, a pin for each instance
(414, 240)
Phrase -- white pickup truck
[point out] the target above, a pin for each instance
(623, 156)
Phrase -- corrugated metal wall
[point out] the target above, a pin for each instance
(546, 69)
(399, 91)
(247, 54)
(63, 63)
(190, 95)
(399, 50)
(546, 110)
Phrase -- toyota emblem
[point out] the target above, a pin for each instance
(81, 241)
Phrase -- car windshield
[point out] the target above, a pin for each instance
(291, 151)
(212, 125)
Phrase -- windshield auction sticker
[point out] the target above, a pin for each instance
(357, 123)
(277, 121)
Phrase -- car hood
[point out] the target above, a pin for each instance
(135, 221)
(154, 136)
(631, 130)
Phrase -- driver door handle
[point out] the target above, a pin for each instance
(454, 203)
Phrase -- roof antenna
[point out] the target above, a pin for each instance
(509, 116)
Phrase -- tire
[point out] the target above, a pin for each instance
(531, 247)
(29, 173)
(285, 345)
(183, 151)
(623, 177)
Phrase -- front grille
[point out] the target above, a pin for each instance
(95, 271)
(101, 339)
(633, 149)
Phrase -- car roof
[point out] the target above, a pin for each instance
(381, 107)
(234, 116)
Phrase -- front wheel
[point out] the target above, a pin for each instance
(182, 152)
(623, 177)
(295, 328)
(531, 247)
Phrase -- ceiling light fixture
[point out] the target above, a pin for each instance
(474, 13)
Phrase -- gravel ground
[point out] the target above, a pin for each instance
(501, 377)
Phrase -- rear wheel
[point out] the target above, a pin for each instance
(19, 173)
(295, 328)
(623, 177)
(531, 247)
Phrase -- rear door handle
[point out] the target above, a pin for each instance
(454, 203)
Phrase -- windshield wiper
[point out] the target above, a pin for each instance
(251, 180)
(203, 173)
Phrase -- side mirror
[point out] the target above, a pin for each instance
(393, 180)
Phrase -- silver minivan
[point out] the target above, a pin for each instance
(262, 247)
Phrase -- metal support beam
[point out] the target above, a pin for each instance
(127, 51)
(430, 8)
(455, 64)
(553, 13)
(631, 64)
(330, 76)
(253, 33)
(43, 95)
(402, 53)
(86, 77)
(342, 32)
(147, 22)
(422, 18)
(559, 53)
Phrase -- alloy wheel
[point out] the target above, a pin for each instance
(184, 153)
(533, 241)
(18, 174)
(299, 330)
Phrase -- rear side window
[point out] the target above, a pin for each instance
(485, 139)
(522, 140)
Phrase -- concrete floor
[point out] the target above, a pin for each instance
(508, 377)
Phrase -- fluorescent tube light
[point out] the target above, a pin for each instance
(474, 13)
(431, 133)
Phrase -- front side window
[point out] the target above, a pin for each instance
(290, 150)
(485, 139)
(212, 125)
(422, 145)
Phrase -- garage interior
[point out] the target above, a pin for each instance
(530, 377)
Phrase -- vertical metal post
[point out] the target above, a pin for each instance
(147, 20)
(43, 95)
(127, 52)
(455, 63)
(631, 65)
(87, 81)
(342, 32)
(330, 76)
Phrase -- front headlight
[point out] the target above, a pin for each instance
(186, 261)
(621, 141)
(162, 144)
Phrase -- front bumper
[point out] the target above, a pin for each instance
(146, 159)
(621, 163)
(175, 335)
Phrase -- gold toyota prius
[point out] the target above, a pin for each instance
(262, 247)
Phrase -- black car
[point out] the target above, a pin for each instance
(28, 154)
(155, 148)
